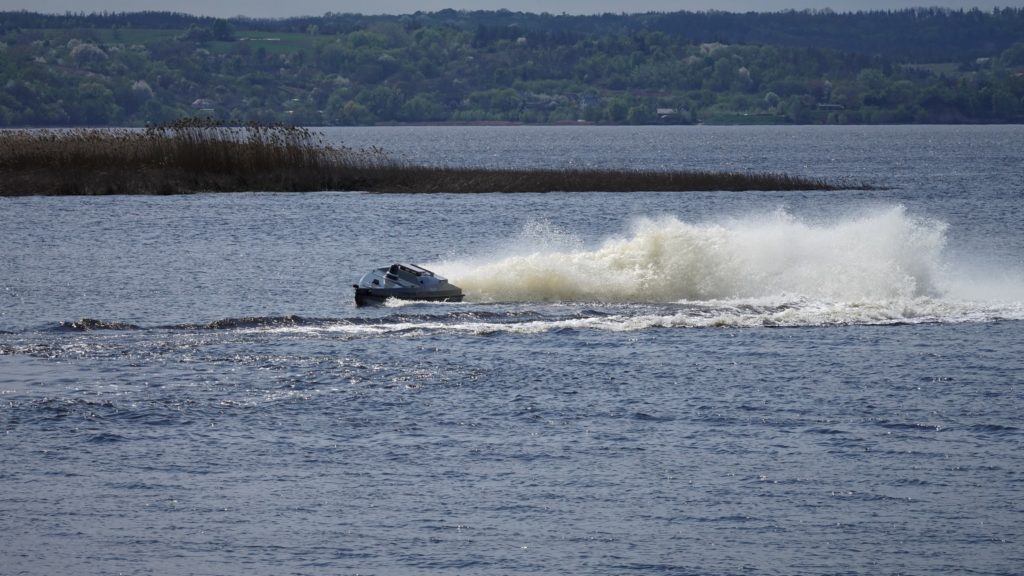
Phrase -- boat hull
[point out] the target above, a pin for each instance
(377, 296)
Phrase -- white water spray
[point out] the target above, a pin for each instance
(882, 256)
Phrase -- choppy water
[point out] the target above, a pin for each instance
(715, 383)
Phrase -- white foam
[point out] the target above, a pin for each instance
(877, 268)
(880, 256)
(710, 314)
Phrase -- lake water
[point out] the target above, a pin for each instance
(638, 383)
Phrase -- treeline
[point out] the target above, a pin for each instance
(910, 35)
(922, 35)
(908, 66)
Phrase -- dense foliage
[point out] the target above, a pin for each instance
(924, 65)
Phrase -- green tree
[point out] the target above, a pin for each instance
(640, 115)
(422, 108)
(222, 31)
(93, 104)
(1006, 105)
(617, 110)
(1013, 56)
(799, 109)
(383, 102)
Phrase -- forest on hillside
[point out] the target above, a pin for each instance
(908, 66)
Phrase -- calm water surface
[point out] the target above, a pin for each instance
(704, 383)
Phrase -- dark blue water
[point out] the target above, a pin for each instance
(719, 383)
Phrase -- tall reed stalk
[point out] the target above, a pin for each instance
(198, 155)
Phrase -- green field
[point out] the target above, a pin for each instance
(272, 42)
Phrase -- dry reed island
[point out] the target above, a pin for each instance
(194, 155)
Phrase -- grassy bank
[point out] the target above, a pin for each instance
(200, 156)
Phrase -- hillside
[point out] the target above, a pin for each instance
(802, 67)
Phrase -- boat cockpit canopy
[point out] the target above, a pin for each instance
(409, 269)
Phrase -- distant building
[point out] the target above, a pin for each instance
(672, 115)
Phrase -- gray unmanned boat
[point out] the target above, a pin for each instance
(405, 282)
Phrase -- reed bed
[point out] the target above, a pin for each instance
(469, 180)
(196, 155)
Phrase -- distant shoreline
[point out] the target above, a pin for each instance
(510, 124)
